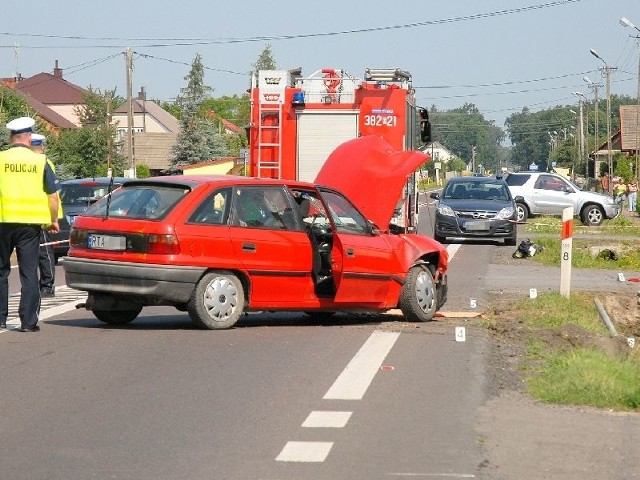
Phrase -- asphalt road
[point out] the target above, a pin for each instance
(281, 398)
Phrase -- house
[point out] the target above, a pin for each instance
(438, 152)
(54, 100)
(155, 132)
(218, 166)
(630, 129)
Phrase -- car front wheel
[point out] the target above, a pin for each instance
(522, 211)
(592, 216)
(418, 296)
(217, 301)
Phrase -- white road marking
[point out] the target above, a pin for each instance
(305, 452)
(452, 248)
(318, 419)
(354, 380)
(439, 475)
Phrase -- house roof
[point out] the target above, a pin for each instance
(629, 127)
(156, 111)
(232, 127)
(51, 89)
(48, 115)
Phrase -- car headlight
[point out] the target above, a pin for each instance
(445, 210)
(505, 213)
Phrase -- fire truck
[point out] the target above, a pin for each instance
(296, 122)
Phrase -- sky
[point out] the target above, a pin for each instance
(500, 55)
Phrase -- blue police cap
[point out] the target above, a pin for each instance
(37, 139)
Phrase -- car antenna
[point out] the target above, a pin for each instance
(109, 190)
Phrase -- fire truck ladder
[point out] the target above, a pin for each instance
(270, 126)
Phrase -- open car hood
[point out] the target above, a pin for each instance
(372, 174)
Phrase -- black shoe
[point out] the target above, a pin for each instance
(35, 328)
(45, 292)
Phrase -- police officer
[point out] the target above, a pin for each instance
(28, 203)
(47, 256)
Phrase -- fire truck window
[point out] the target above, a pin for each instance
(346, 218)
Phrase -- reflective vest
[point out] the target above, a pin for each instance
(22, 196)
(53, 167)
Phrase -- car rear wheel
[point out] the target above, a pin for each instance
(418, 296)
(217, 301)
(592, 216)
(522, 212)
(117, 317)
(439, 239)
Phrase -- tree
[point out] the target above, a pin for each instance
(198, 140)
(89, 150)
(265, 61)
(12, 105)
(463, 128)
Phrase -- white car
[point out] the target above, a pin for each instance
(542, 193)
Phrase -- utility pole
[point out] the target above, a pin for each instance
(626, 23)
(129, 65)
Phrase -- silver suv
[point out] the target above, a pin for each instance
(542, 193)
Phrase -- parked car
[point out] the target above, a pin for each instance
(218, 246)
(543, 193)
(475, 208)
(76, 196)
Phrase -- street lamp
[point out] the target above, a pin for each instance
(581, 99)
(607, 71)
(624, 21)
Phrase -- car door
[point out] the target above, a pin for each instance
(270, 243)
(362, 261)
(552, 194)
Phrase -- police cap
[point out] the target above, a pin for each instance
(37, 139)
(21, 125)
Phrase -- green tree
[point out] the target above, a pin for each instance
(265, 61)
(463, 128)
(89, 150)
(12, 105)
(198, 139)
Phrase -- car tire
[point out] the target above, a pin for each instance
(592, 216)
(418, 295)
(522, 212)
(117, 317)
(217, 301)
(511, 241)
(439, 239)
(320, 315)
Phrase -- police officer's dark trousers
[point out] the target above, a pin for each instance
(47, 264)
(25, 239)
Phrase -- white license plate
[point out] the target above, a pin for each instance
(106, 242)
(476, 226)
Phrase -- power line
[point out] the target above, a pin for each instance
(174, 42)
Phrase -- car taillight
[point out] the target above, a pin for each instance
(166, 244)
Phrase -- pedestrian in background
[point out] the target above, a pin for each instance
(632, 194)
(604, 183)
(619, 190)
(46, 257)
(28, 203)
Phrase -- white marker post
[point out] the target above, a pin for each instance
(565, 252)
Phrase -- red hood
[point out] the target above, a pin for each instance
(372, 174)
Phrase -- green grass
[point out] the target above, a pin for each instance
(553, 225)
(585, 376)
(580, 375)
(584, 253)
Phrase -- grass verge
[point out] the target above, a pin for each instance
(564, 359)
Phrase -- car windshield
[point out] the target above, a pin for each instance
(83, 194)
(476, 191)
(148, 202)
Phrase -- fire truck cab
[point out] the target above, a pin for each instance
(296, 122)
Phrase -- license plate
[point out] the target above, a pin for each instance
(106, 242)
(476, 226)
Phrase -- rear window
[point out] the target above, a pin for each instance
(517, 180)
(83, 195)
(146, 202)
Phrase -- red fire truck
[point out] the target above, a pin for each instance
(296, 122)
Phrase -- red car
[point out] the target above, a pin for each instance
(218, 246)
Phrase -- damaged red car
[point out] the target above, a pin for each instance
(220, 246)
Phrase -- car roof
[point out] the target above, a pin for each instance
(476, 179)
(94, 181)
(192, 181)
